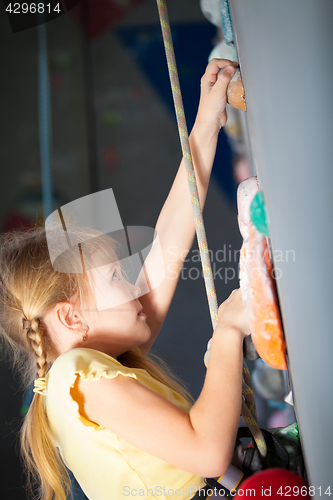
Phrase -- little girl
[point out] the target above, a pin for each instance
(102, 407)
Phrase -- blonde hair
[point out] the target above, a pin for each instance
(30, 286)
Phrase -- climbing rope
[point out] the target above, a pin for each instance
(248, 406)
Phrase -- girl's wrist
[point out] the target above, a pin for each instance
(206, 132)
(226, 344)
(229, 332)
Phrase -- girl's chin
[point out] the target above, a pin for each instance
(145, 336)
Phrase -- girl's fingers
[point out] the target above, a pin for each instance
(223, 79)
(214, 67)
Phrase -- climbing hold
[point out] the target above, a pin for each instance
(256, 276)
(226, 23)
(270, 483)
(245, 193)
(269, 383)
(260, 300)
(258, 214)
(211, 9)
(235, 92)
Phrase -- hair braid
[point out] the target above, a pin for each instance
(35, 333)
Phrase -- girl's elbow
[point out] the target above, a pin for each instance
(215, 464)
(215, 470)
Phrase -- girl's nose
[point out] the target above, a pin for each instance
(135, 291)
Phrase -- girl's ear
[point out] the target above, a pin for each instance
(69, 317)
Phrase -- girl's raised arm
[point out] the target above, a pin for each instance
(175, 225)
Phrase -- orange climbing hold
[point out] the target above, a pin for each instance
(260, 300)
(235, 92)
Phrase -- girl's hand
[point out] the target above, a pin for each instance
(214, 83)
(232, 314)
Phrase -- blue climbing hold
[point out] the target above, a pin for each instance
(226, 23)
(258, 214)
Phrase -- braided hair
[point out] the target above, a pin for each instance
(34, 331)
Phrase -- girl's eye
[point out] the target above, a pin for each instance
(115, 276)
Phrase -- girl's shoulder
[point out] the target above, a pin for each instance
(83, 354)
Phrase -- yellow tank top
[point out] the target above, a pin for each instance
(105, 465)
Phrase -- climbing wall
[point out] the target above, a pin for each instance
(285, 53)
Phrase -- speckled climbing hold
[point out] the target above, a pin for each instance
(223, 51)
(211, 9)
(258, 214)
(226, 23)
(256, 276)
(261, 300)
(235, 92)
(245, 193)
